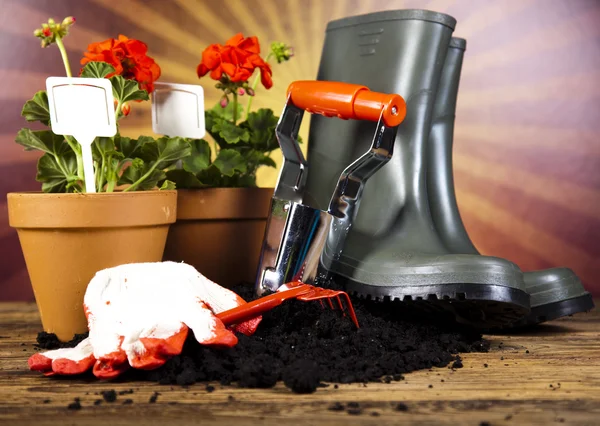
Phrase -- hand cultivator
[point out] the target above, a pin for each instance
(292, 290)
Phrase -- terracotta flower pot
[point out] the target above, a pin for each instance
(67, 238)
(220, 231)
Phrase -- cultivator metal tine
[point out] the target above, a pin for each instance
(339, 302)
(316, 293)
(350, 307)
(293, 290)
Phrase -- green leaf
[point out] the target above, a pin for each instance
(152, 156)
(238, 181)
(36, 109)
(184, 179)
(199, 159)
(212, 176)
(41, 140)
(167, 185)
(258, 158)
(165, 151)
(97, 70)
(112, 170)
(57, 177)
(227, 112)
(267, 161)
(127, 90)
(246, 181)
(231, 133)
(210, 118)
(131, 148)
(262, 125)
(137, 170)
(132, 173)
(103, 147)
(229, 161)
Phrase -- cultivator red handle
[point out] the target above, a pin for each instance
(347, 101)
(294, 290)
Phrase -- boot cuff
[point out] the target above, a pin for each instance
(394, 15)
(458, 43)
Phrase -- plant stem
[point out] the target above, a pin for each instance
(111, 177)
(63, 53)
(140, 180)
(118, 110)
(101, 176)
(96, 176)
(254, 85)
(75, 147)
(235, 104)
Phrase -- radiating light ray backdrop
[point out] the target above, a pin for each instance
(527, 146)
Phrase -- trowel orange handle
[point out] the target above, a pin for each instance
(347, 101)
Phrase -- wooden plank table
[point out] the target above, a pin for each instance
(547, 376)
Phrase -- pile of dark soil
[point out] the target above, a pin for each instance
(50, 341)
(304, 345)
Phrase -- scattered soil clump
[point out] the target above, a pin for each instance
(75, 405)
(109, 395)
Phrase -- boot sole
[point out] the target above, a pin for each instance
(552, 311)
(476, 305)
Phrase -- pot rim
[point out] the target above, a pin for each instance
(224, 203)
(89, 194)
(35, 210)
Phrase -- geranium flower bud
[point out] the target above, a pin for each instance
(47, 32)
(51, 21)
(241, 91)
(224, 101)
(125, 109)
(37, 32)
(282, 51)
(250, 91)
(69, 20)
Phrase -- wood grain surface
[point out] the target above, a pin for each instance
(549, 375)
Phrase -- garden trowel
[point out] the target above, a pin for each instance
(297, 235)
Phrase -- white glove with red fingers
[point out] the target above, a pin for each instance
(139, 315)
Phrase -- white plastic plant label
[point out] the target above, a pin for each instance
(178, 110)
(82, 108)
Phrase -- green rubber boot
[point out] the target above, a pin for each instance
(392, 251)
(554, 292)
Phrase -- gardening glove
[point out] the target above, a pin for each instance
(139, 315)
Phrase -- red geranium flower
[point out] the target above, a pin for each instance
(128, 57)
(238, 59)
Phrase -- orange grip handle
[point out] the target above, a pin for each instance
(347, 101)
